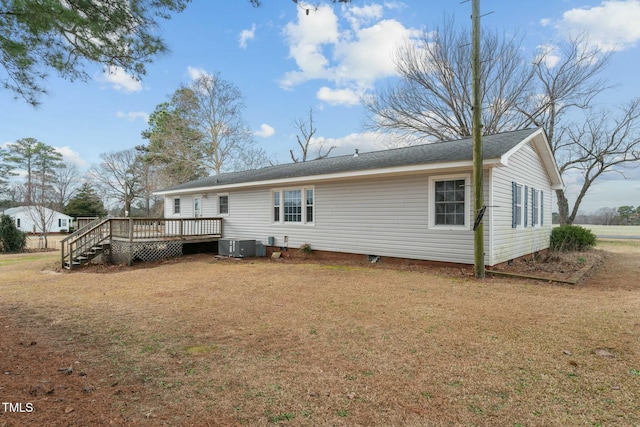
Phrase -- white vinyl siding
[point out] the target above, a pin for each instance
(394, 215)
(26, 219)
(387, 217)
(526, 170)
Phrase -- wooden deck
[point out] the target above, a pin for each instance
(90, 240)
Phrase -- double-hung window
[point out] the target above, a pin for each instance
(176, 206)
(309, 205)
(449, 202)
(516, 200)
(276, 206)
(223, 204)
(293, 206)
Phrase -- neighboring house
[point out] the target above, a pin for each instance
(30, 219)
(413, 202)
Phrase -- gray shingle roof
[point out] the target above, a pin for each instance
(494, 146)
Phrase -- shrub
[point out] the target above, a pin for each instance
(11, 239)
(572, 238)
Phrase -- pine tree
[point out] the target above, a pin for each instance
(86, 203)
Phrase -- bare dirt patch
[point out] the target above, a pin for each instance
(563, 267)
(199, 341)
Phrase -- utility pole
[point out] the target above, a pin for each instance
(478, 202)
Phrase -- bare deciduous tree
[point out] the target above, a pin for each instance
(215, 107)
(203, 126)
(599, 144)
(305, 140)
(65, 180)
(433, 100)
(567, 80)
(119, 177)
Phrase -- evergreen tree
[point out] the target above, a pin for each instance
(11, 239)
(39, 36)
(86, 203)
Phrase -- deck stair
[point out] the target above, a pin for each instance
(111, 236)
(86, 243)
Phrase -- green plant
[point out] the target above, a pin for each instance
(11, 239)
(305, 249)
(572, 238)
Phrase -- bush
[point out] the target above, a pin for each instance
(11, 239)
(572, 238)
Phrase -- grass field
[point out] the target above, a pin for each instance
(204, 342)
(614, 230)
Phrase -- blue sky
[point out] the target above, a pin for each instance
(286, 62)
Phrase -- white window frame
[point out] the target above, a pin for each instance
(228, 204)
(467, 201)
(303, 204)
(173, 206)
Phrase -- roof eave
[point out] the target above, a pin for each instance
(540, 142)
(368, 173)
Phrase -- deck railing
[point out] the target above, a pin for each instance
(135, 229)
(158, 228)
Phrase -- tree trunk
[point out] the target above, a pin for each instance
(563, 208)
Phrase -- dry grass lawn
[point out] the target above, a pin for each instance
(204, 342)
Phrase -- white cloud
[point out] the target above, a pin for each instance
(71, 156)
(369, 55)
(613, 25)
(247, 35)
(265, 131)
(338, 96)
(358, 16)
(352, 56)
(306, 39)
(195, 73)
(133, 115)
(121, 81)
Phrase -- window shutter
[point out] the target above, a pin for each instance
(533, 205)
(541, 208)
(514, 189)
(526, 205)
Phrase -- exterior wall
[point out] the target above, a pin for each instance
(386, 217)
(508, 243)
(391, 216)
(28, 225)
(209, 205)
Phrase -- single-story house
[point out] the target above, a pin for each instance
(413, 202)
(30, 219)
